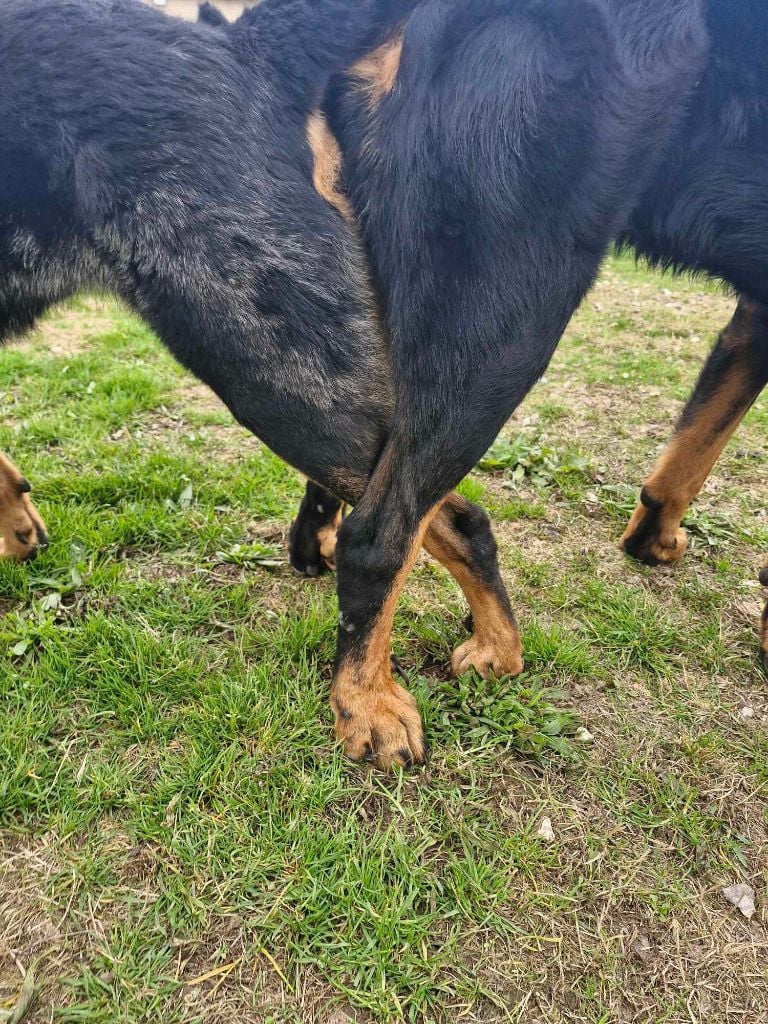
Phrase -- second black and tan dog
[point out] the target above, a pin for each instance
(706, 210)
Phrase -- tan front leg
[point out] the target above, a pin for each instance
(376, 719)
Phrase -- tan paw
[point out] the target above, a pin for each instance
(326, 540)
(22, 530)
(498, 657)
(654, 538)
(379, 724)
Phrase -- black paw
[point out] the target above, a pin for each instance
(397, 668)
(304, 547)
(314, 527)
(305, 566)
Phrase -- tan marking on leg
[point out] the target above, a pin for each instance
(326, 539)
(21, 528)
(376, 73)
(495, 646)
(376, 718)
(688, 459)
(326, 175)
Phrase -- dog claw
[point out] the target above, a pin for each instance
(397, 668)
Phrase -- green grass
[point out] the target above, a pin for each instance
(182, 841)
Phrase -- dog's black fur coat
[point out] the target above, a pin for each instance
(168, 163)
(490, 183)
(706, 208)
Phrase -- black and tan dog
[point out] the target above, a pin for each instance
(492, 151)
(704, 209)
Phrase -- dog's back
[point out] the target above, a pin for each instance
(707, 207)
(169, 163)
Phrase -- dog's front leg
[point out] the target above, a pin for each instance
(735, 374)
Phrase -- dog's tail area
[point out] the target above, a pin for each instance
(309, 40)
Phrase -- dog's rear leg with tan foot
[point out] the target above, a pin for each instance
(735, 374)
(461, 538)
(22, 531)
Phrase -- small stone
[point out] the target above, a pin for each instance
(340, 1017)
(546, 831)
(746, 713)
(584, 735)
(642, 949)
(742, 896)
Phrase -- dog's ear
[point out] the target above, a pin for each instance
(210, 15)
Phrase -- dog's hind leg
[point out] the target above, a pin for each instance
(735, 374)
(461, 539)
(22, 531)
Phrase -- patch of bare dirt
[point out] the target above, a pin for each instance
(31, 932)
(68, 332)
